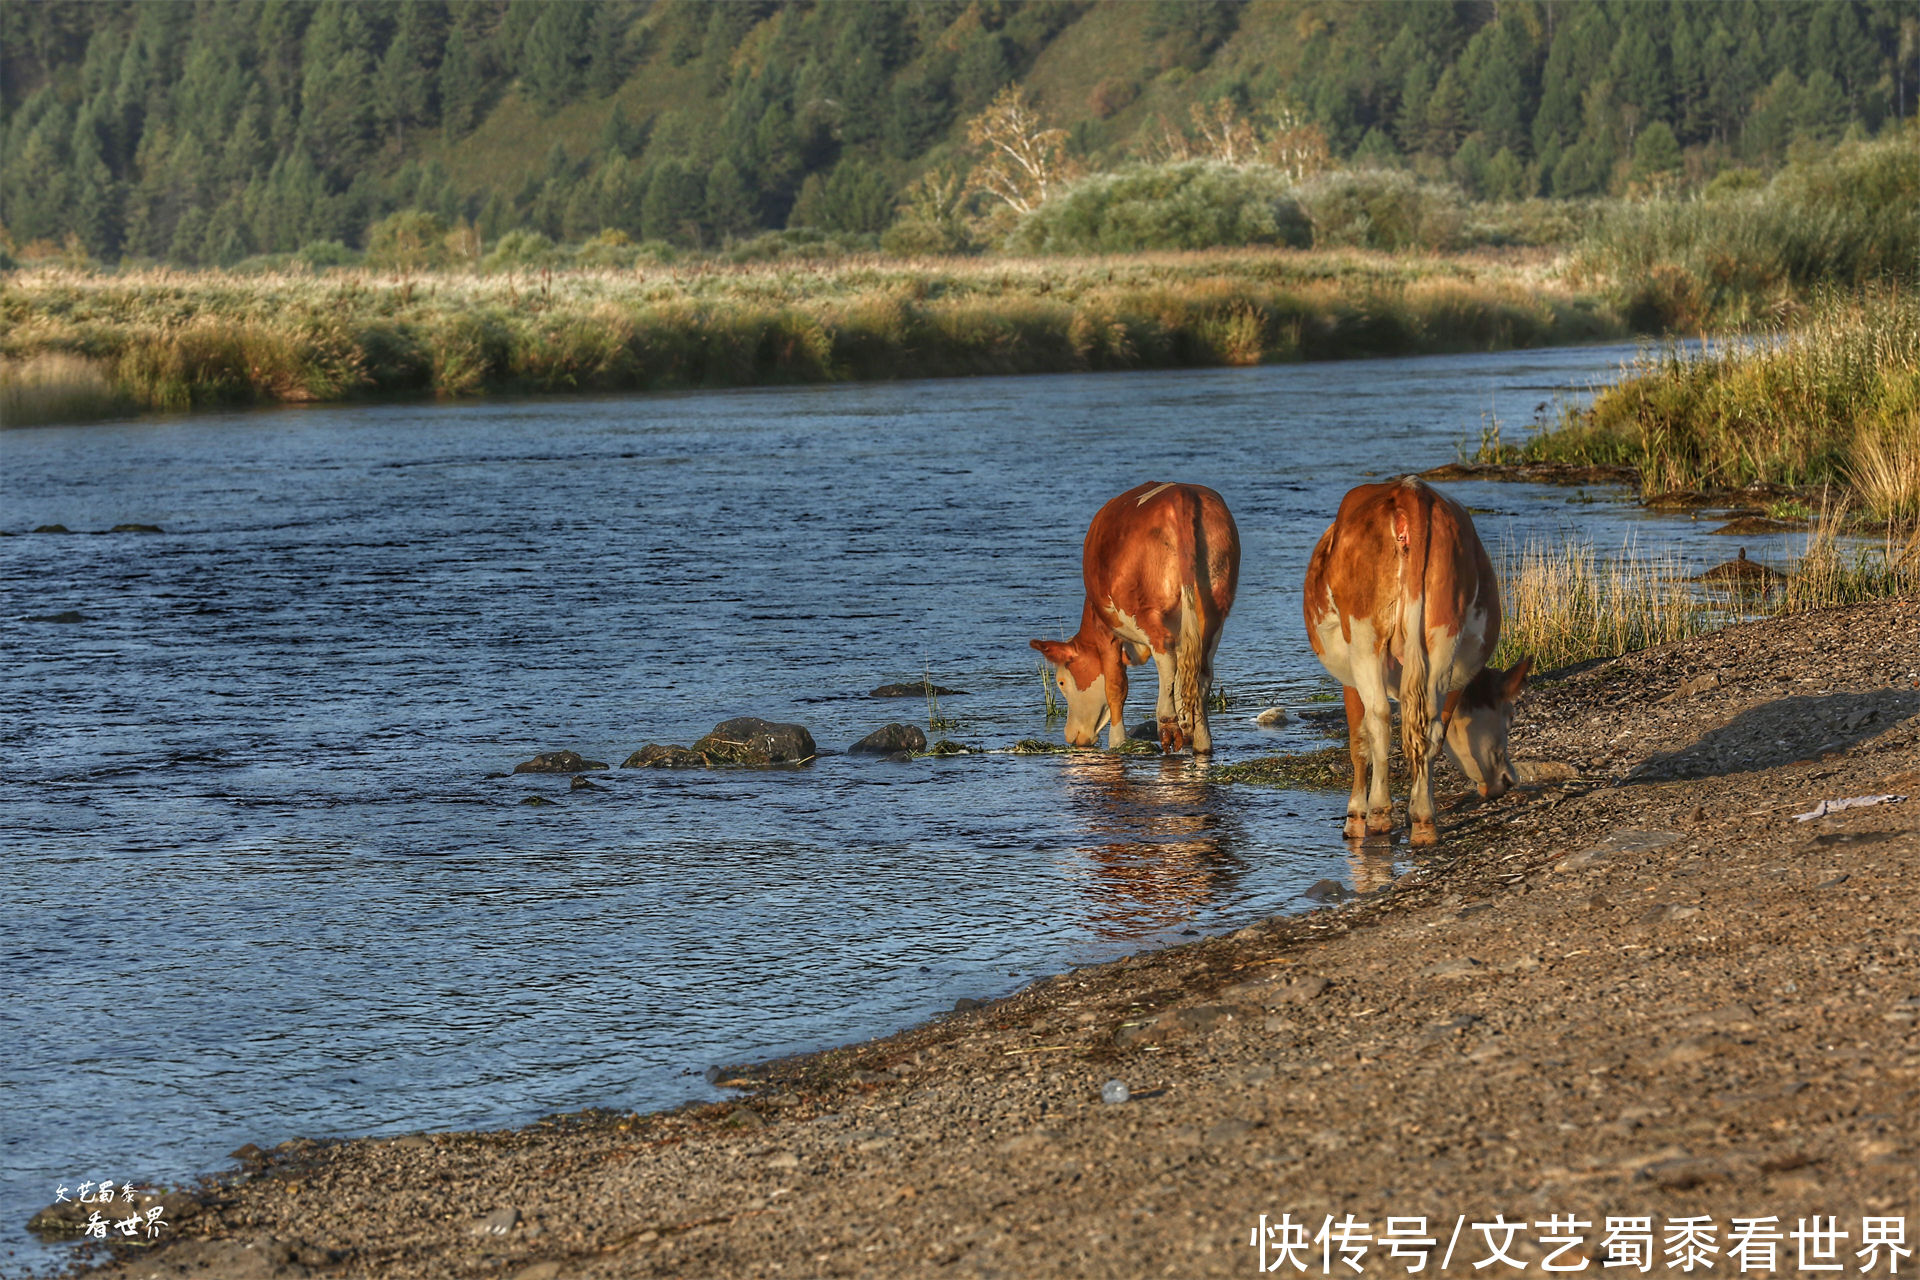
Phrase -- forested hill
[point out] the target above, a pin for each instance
(209, 132)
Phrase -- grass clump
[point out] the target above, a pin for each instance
(1837, 402)
(1037, 747)
(1563, 604)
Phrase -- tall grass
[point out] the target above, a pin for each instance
(172, 340)
(1566, 603)
(1837, 402)
(56, 386)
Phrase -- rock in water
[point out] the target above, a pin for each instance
(1271, 717)
(749, 740)
(893, 738)
(656, 756)
(558, 762)
(924, 689)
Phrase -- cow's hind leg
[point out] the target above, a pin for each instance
(1420, 810)
(1202, 734)
(1166, 711)
(1356, 827)
(1373, 696)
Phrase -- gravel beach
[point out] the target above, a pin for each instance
(1636, 986)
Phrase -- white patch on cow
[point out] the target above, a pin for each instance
(1125, 627)
(1149, 493)
(1335, 654)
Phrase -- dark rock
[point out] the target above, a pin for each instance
(655, 756)
(1741, 572)
(136, 528)
(249, 1154)
(558, 762)
(52, 528)
(748, 741)
(893, 738)
(744, 1118)
(1326, 891)
(920, 690)
(965, 1003)
(583, 783)
(68, 616)
(536, 801)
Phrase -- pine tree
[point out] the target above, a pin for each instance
(460, 86)
(1822, 112)
(554, 66)
(729, 209)
(607, 48)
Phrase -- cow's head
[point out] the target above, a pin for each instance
(1083, 684)
(1477, 730)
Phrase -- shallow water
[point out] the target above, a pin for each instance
(267, 875)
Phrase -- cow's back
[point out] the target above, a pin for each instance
(1145, 545)
(1360, 577)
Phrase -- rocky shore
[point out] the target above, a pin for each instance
(1637, 986)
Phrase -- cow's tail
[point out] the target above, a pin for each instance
(1413, 523)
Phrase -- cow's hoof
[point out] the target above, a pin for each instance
(1379, 823)
(1356, 828)
(1425, 833)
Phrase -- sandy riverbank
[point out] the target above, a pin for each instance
(1642, 989)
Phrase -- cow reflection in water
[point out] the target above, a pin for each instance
(1160, 848)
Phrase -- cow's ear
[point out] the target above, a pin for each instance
(1055, 651)
(1515, 676)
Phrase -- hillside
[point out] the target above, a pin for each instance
(209, 133)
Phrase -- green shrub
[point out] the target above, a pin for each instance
(1197, 204)
(409, 240)
(521, 251)
(322, 254)
(1382, 209)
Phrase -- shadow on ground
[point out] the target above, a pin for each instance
(1782, 732)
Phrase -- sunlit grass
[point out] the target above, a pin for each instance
(1837, 401)
(1566, 603)
(171, 340)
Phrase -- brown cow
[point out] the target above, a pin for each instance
(1402, 602)
(1160, 563)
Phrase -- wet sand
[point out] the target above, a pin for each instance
(1636, 986)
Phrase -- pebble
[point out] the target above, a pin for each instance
(1114, 1092)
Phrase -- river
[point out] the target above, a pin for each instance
(267, 873)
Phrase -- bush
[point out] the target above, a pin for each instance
(1197, 204)
(409, 240)
(521, 250)
(321, 254)
(1382, 209)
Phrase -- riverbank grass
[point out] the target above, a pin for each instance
(168, 340)
(1836, 403)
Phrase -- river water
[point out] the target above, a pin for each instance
(266, 873)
